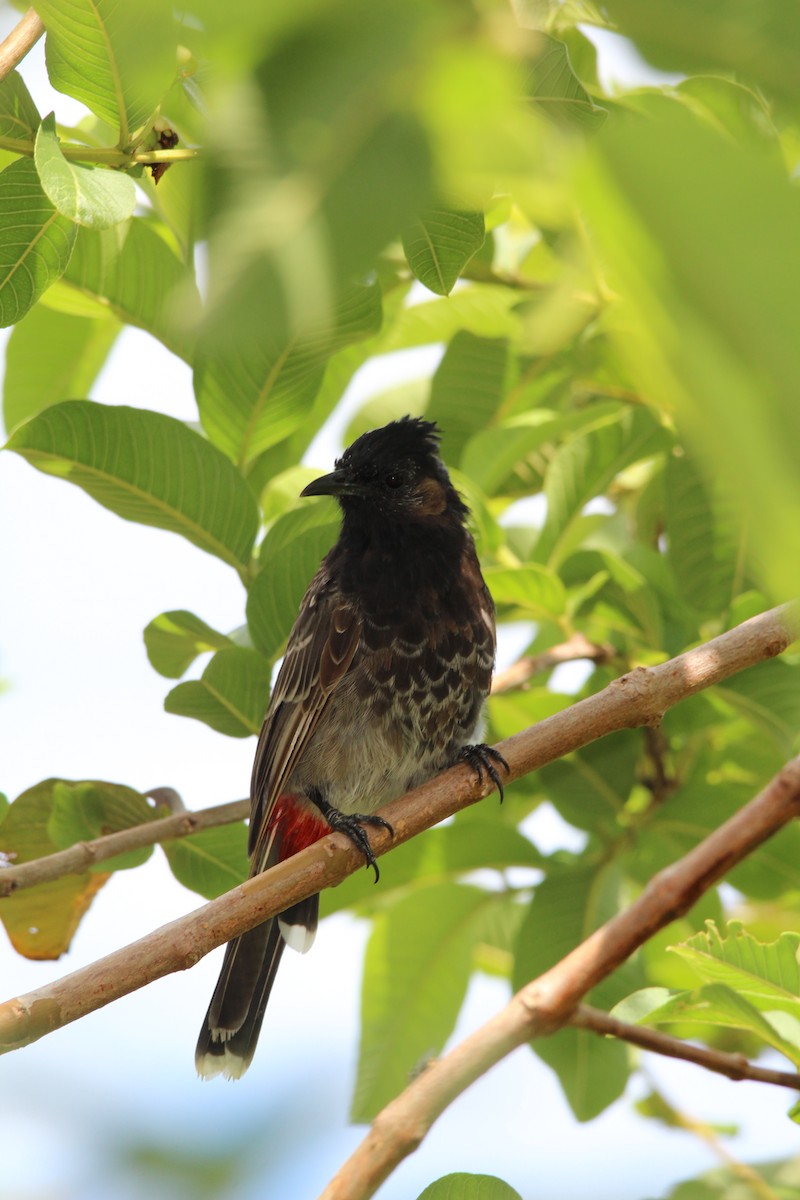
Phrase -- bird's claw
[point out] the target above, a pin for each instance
(352, 824)
(482, 759)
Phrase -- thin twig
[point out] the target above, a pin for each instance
(734, 1066)
(550, 1001)
(573, 650)
(22, 38)
(637, 698)
(83, 855)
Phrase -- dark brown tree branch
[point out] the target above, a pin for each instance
(734, 1066)
(550, 1001)
(23, 36)
(638, 698)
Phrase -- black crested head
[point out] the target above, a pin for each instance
(393, 474)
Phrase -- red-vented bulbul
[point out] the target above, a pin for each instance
(385, 675)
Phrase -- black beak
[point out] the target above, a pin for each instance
(338, 483)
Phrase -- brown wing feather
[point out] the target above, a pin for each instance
(319, 652)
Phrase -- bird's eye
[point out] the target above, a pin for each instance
(394, 480)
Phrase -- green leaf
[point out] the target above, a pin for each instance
(591, 786)
(567, 906)
(492, 455)
(174, 639)
(765, 973)
(253, 396)
(782, 1178)
(131, 270)
(290, 555)
(440, 244)
(231, 695)
(768, 694)
(760, 44)
(333, 202)
(19, 117)
(91, 196)
(41, 921)
(486, 310)
(211, 861)
(119, 59)
(415, 977)
(467, 389)
(84, 811)
(469, 1187)
(35, 241)
(445, 853)
(509, 712)
(687, 326)
(556, 89)
(533, 590)
(702, 540)
(722, 1006)
(77, 348)
(699, 807)
(145, 467)
(408, 398)
(586, 466)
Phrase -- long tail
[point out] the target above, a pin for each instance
(232, 1024)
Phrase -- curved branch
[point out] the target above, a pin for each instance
(638, 698)
(22, 38)
(734, 1066)
(550, 1001)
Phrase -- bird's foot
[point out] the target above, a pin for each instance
(482, 758)
(353, 824)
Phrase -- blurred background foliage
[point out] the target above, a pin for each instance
(613, 281)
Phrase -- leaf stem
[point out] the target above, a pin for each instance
(110, 156)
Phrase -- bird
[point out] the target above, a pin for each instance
(382, 685)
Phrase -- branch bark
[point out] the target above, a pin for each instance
(637, 698)
(22, 38)
(734, 1066)
(754, 641)
(550, 1001)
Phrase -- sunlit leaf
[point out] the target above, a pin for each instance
(145, 467)
(467, 389)
(77, 348)
(440, 244)
(84, 811)
(41, 921)
(132, 271)
(415, 978)
(35, 241)
(568, 906)
(469, 1187)
(554, 87)
(231, 695)
(19, 117)
(88, 195)
(211, 861)
(117, 58)
(174, 639)
(290, 555)
(252, 398)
